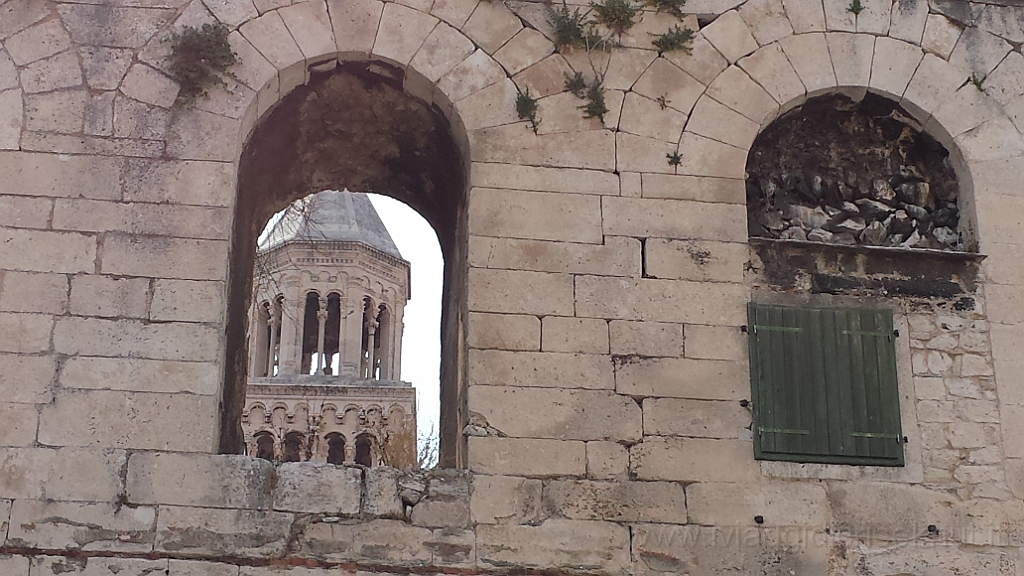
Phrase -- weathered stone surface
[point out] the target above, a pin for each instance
(535, 215)
(693, 460)
(318, 488)
(557, 413)
(96, 565)
(104, 418)
(504, 331)
(556, 543)
(181, 258)
(166, 341)
(33, 292)
(540, 369)
(517, 292)
(696, 260)
(208, 531)
(660, 300)
(780, 504)
(187, 301)
(646, 338)
(26, 379)
(932, 557)
(384, 541)
(617, 501)
(715, 342)
(888, 511)
(203, 480)
(725, 550)
(695, 418)
(183, 182)
(617, 256)
(583, 335)
(382, 497)
(93, 295)
(730, 35)
(526, 456)
(682, 378)
(74, 526)
(126, 27)
(25, 333)
(505, 500)
(139, 374)
(491, 25)
(62, 474)
(607, 461)
(21, 423)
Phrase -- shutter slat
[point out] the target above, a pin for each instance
(834, 395)
(857, 384)
(817, 381)
(869, 338)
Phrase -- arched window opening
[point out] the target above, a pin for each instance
(863, 173)
(364, 450)
(294, 446)
(335, 448)
(303, 151)
(265, 446)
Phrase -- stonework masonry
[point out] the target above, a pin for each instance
(597, 293)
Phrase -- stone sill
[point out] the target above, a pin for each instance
(927, 253)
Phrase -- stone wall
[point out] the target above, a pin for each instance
(597, 294)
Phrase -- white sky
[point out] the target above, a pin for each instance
(421, 342)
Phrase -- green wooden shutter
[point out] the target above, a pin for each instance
(824, 385)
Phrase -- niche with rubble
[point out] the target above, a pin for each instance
(857, 173)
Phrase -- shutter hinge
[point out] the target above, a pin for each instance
(743, 329)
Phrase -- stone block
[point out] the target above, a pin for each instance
(535, 215)
(60, 111)
(932, 558)
(96, 566)
(540, 369)
(504, 331)
(703, 61)
(32, 292)
(452, 547)
(607, 461)
(449, 514)
(443, 49)
(520, 292)
(730, 35)
(202, 480)
(271, 37)
(693, 460)
(513, 144)
(646, 338)
(389, 541)
(993, 140)
(934, 82)
(505, 500)
(137, 374)
(37, 42)
(889, 511)
(32, 174)
(875, 18)
(660, 300)
(715, 343)
(851, 57)
(402, 31)
(382, 497)
(150, 86)
(355, 24)
(18, 211)
(102, 418)
(161, 257)
(808, 53)
(20, 14)
(25, 333)
(779, 504)
(157, 341)
(14, 565)
(12, 119)
(557, 413)
(767, 20)
(20, 424)
(702, 261)
(665, 80)
(730, 550)
(104, 67)
(598, 547)
(1013, 423)
(641, 154)
(645, 117)
(682, 378)
(492, 25)
(682, 187)
(583, 335)
(618, 256)
(738, 91)
(978, 53)
(985, 522)
(40, 251)
(126, 27)
(201, 568)
(907, 21)
(181, 182)
(695, 418)
(541, 179)
(718, 122)
(530, 457)
(77, 526)
(892, 74)
(644, 217)
(525, 49)
(187, 301)
(214, 532)
(310, 26)
(104, 296)
(544, 78)
(26, 379)
(770, 68)
(940, 35)
(623, 501)
(318, 488)
(8, 72)
(53, 73)
(62, 474)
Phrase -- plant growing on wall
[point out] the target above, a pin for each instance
(675, 39)
(616, 15)
(526, 108)
(855, 8)
(571, 29)
(576, 84)
(199, 59)
(673, 7)
(595, 105)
